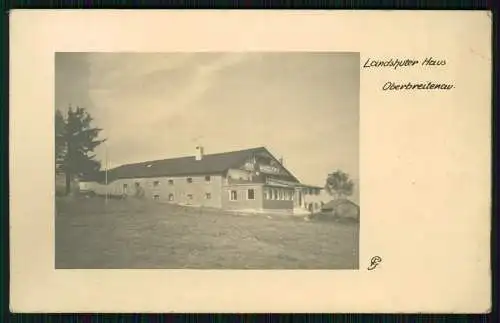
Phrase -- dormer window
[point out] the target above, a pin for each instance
(189, 180)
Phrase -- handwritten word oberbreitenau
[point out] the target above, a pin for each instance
(393, 86)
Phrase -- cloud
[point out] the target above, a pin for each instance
(152, 96)
(304, 106)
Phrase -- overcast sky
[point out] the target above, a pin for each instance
(303, 107)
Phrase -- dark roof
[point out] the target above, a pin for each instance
(335, 203)
(209, 164)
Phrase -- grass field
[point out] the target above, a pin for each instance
(138, 234)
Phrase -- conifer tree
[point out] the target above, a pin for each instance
(75, 141)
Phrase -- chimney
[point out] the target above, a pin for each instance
(199, 152)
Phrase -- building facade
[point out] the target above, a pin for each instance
(251, 180)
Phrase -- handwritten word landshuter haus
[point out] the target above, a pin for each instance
(245, 180)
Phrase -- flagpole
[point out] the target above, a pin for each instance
(106, 172)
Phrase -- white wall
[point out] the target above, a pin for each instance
(316, 199)
(180, 189)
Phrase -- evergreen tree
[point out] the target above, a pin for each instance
(75, 141)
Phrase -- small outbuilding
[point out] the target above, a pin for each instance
(341, 208)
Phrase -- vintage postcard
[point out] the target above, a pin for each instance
(248, 161)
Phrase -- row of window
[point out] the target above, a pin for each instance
(269, 194)
(233, 195)
(171, 197)
(278, 194)
(170, 182)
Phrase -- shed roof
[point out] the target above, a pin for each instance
(335, 203)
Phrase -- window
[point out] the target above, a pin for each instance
(156, 183)
(137, 184)
(189, 180)
(208, 196)
(125, 186)
(275, 195)
(280, 195)
(190, 196)
(207, 179)
(170, 182)
(233, 195)
(156, 197)
(170, 197)
(251, 194)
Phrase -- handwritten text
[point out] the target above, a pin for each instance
(397, 63)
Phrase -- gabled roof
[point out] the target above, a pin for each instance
(182, 166)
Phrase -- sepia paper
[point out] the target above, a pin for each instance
(424, 160)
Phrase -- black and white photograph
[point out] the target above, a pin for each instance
(207, 160)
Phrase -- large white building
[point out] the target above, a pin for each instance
(246, 180)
